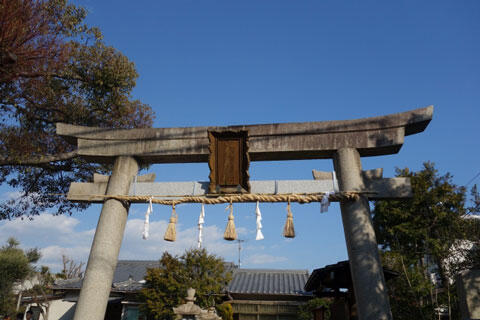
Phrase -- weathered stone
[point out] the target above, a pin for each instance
(322, 175)
(365, 266)
(468, 288)
(191, 309)
(284, 141)
(101, 178)
(93, 299)
(345, 141)
(372, 174)
(393, 188)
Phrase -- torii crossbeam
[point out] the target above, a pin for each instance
(343, 141)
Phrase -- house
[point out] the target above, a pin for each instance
(335, 281)
(128, 279)
(259, 294)
(266, 294)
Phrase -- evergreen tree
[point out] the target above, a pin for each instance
(166, 286)
(423, 238)
(15, 267)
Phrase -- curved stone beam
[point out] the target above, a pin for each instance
(282, 141)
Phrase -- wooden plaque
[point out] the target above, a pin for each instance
(229, 162)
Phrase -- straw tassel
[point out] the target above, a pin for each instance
(288, 229)
(230, 233)
(259, 223)
(146, 225)
(171, 233)
(201, 221)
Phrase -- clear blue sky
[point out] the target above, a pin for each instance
(246, 62)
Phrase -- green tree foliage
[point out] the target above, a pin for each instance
(55, 68)
(166, 286)
(40, 291)
(411, 293)
(305, 311)
(225, 311)
(425, 236)
(15, 266)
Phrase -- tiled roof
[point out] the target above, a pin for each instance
(129, 273)
(68, 284)
(335, 276)
(126, 277)
(268, 281)
(133, 269)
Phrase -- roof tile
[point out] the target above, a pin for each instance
(268, 281)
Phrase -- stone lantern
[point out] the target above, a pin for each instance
(190, 310)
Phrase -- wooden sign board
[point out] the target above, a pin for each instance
(229, 162)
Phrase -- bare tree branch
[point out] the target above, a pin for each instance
(35, 161)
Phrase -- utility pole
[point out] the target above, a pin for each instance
(239, 250)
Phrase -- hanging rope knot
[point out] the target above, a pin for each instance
(171, 233)
(288, 229)
(230, 232)
(174, 216)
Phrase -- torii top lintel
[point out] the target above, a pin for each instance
(282, 141)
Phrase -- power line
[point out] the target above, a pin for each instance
(473, 179)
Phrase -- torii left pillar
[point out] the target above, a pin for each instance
(93, 300)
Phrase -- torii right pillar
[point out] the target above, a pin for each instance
(365, 265)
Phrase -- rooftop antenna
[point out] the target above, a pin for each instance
(239, 250)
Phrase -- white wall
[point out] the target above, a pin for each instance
(59, 310)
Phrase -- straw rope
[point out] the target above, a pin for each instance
(300, 198)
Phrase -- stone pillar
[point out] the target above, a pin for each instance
(365, 267)
(102, 261)
(468, 289)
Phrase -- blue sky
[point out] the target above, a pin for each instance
(246, 62)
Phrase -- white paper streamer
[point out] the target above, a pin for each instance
(325, 203)
(259, 223)
(201, 221)
(146, 225)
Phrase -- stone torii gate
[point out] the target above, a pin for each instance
(343, 141)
